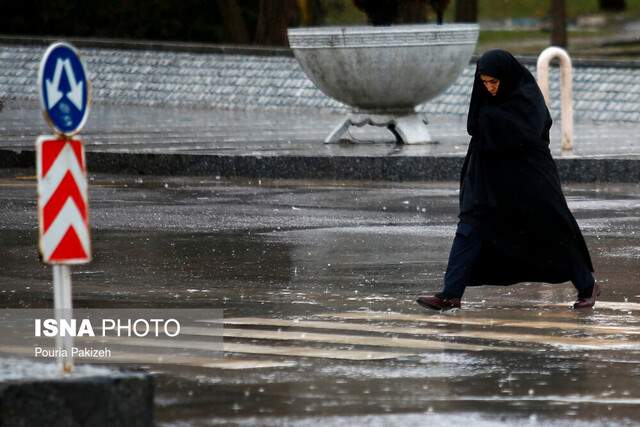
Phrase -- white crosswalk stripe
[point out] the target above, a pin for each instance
(168, 359)
(438, 319)
(293, 351)
(376, 341)
(586, 343)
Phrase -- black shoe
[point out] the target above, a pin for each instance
(588, 302)
(439, 302)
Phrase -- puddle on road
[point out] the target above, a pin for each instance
(418, 419)
(282, 274)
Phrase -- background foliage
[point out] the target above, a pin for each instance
(251, 22)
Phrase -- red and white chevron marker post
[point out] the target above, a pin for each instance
(62, 201)
(63, 213)
(63, 204)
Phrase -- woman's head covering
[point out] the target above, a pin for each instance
(514, 77)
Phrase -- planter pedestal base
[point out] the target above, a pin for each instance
(408, 129)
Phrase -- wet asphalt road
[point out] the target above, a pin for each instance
(317, 282)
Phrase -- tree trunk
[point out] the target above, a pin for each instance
(613, 5)
(412, 12)
(311, 12)
(273, 20)
(379, 12)
(558, 23)
(466, 10)
(234, 25)
(439, 6)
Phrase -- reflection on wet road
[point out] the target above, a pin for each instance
(318, 280)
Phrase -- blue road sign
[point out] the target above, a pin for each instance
(64, 89)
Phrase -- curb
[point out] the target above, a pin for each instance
(383, 168)
(210, 48)
(163, 46)
(121, 400)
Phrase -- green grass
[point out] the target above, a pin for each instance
(342, 12)
(503, 9)
(497, 36)
(510, 36)
(529, 42)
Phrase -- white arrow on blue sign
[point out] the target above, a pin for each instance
(64, 89)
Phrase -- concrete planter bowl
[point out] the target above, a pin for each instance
(383, 73)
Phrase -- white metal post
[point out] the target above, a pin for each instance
(62, 304)
(566, 89)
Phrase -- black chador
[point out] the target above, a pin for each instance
(515, 225)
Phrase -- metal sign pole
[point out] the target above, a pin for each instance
(62, 304)
(64, 227)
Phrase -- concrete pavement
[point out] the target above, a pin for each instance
(279, 144)
(212, 110)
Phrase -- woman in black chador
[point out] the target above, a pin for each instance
(515, 225)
